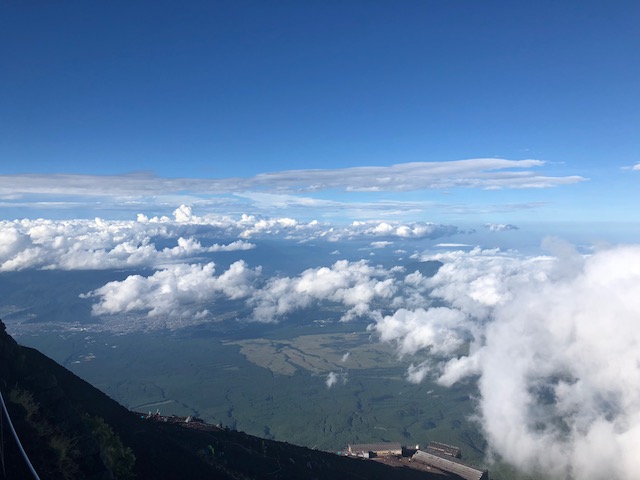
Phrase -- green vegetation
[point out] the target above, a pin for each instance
(274, 384)
(24, 399)
(318, 353)
(118, 458)
(62, 446)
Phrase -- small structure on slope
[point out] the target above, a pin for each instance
(449, 464)
(369, 450)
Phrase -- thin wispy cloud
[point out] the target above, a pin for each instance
(487, 173)
(484, 173)
(635, 167)
(340, 194)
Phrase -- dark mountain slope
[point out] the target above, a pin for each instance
(59, 418)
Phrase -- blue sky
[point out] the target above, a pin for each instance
(215, 91)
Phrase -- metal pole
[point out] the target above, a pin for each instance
(4, 471)
(15, 435)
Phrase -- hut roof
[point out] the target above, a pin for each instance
(451, 465)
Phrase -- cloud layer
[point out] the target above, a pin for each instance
(183, 290)
(552, 340)
(105, 244)
(98, 244)
(341, 193)
(487, 173)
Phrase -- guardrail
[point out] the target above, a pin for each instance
(5, 413)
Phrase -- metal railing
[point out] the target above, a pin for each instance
(5, 413)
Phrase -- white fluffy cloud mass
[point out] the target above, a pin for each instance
(100, 244)
(555, 345)
(181, 290)
(353, 284)
(178, 290)
(396, 230)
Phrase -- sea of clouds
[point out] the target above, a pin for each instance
(108, 244)
(553, 340)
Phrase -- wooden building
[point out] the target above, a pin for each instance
(449, 464)
(368, 450)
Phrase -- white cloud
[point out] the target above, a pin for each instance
(277, 190)
(476, 281)
(415, 230)
(183, 214)
(231, 247)
(184, 290)
(16, 249)
(635, 167)
(282, 200)
(475, 173)
(270, 226)
(575, 383)
(435, 329)
(352, 284)
(101, 244)
(554, 343)
(417, 373)
(105, 244)
(381, 244)
(179, 290)
(500, 227)
(333, 378)
(453, 245)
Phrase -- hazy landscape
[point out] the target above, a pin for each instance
(334, 377)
